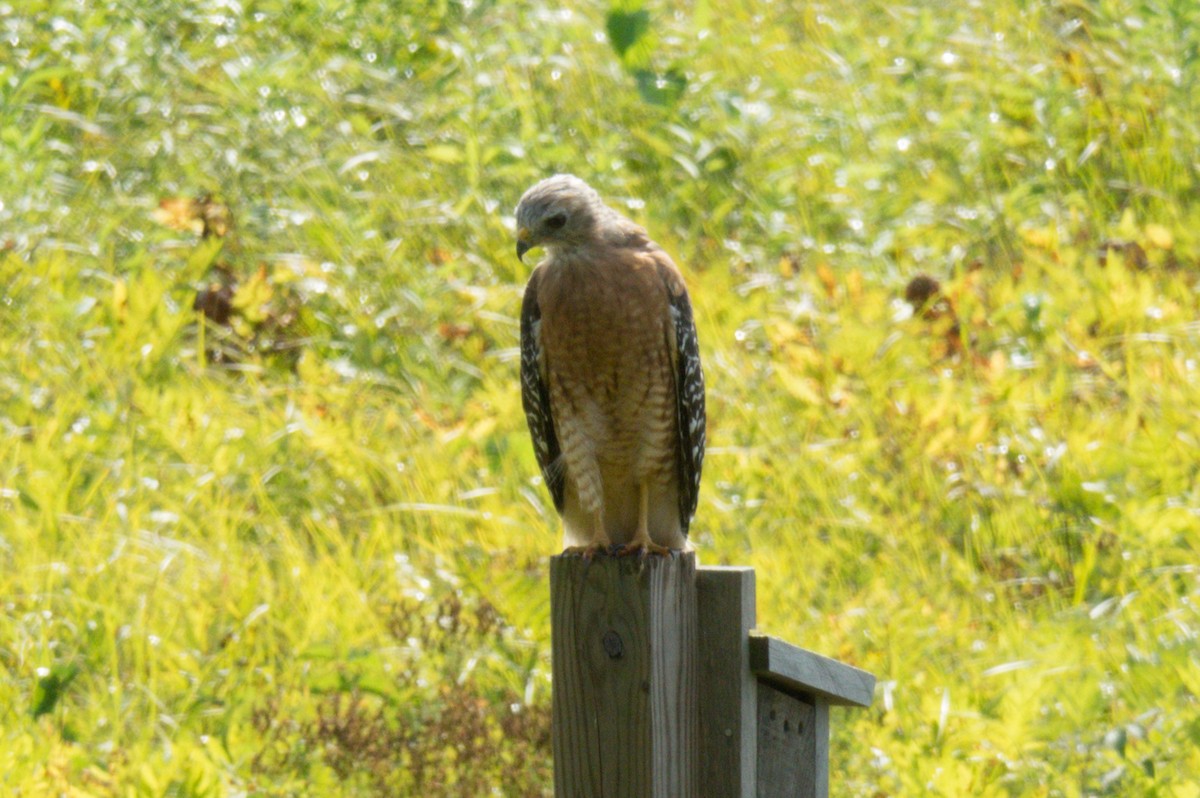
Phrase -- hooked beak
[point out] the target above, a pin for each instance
(523, 244)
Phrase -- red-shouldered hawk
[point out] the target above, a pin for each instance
(610, 374)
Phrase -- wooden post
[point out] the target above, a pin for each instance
(662, 690)
(728, 726)
(623, 647)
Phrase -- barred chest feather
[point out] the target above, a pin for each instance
(607, 342)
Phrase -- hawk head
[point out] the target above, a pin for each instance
(559, 212)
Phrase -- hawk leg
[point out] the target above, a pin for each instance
(641, 543)
(600, 543)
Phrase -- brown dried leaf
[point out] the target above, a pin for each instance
(920, 290)
(216, 218)
(179, 213)
(204, 216)
(1129, 252)
(215, 302)
(453, 332)
(828, 279)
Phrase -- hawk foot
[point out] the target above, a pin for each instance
(590, 550)
(642, 547)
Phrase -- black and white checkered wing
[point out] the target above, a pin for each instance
(689, 400)
(535, 395)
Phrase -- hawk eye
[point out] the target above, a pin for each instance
(556, 221)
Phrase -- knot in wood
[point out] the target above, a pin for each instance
(613, 645)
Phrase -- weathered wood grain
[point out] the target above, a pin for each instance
(793, 746)
(728, 736)
(623, 643)
(794, 669)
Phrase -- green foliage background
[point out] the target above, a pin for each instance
(315, 564)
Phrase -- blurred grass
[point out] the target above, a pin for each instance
(315, 564)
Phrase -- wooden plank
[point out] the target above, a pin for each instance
(820, 749)
(623, 648)
(793, 669)
(793, 746)
(728, 689)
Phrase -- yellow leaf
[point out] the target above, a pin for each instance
(312, 370)
(1040, 237)
(1159, 236)
(934, 414)
(783, 334)
(252, 296)
(854, 284)
(940, 442)
(979, 430)
(283, 275)
(801, 358)
(62, 96)
(1186, 790)
(827, 278)
(802, 388)
(483, 429)
(1127, 228)
(120, 299)
(1017, 137)
(444, 153)
(996, 366)
(241, 327)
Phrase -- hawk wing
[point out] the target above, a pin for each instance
(535, 395)
(689, 393)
